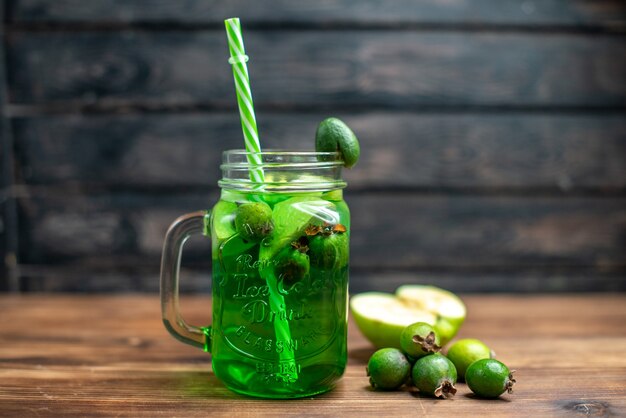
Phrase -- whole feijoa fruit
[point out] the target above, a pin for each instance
(329, 251)
(388, 369)
(419, 339)
(489, 378)
(334, 135)
(291, 265)
(253, 221)
(435, 375)
(466, 351)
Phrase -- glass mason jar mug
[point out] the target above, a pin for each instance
(280, 252)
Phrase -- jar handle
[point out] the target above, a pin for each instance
(177, 234)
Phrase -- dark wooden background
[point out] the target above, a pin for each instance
(493, 135)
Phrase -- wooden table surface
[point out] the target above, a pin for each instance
(110, 356)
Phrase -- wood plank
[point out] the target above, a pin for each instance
(332, 69)
(5, 201)
(4, 269)
(8, 213)
(401, 231)
(195, 278)
(521, 151)
(573, 13)
(82, 278)
(512, 280)
(124, 362)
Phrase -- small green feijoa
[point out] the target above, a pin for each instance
(334, 135)
(466, 351)
(489, 378)
(388, 369)
(435, 375)
(329, 251)
(419, 339)
(253, 221)
(291, 265)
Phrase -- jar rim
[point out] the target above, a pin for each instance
(284, 170)
(233, 154)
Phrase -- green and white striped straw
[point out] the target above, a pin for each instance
(238, 59)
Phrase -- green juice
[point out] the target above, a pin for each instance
(280, 326)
